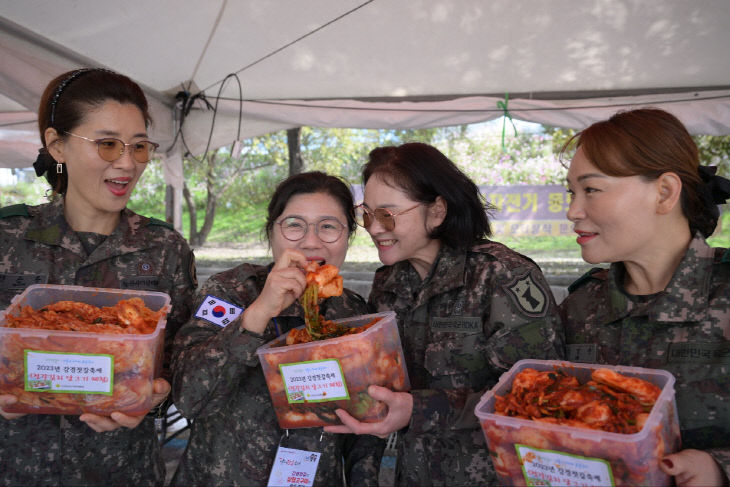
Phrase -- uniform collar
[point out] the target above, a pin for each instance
(49, 226)
(685, 297)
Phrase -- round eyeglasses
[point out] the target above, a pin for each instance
(110, 149)
(364, 216)
(328, 230)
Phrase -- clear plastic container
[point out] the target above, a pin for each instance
(93, 372)
(309, 381)
(550, 454)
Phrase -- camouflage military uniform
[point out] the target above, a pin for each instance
(476, 313)
(219, 383)
(38, 246)
(684, 329)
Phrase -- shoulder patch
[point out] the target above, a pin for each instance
(726, 257)
(528, 295)
(217, 311)
(14, 210)
(591, 274)
(160, 223)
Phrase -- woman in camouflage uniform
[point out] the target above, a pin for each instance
(218, 381)
(642, 202)
(86, 236)
(467, 309)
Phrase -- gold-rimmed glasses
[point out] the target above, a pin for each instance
(110, 148)
(328, 230)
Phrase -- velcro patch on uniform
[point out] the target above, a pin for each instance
(18, 282)
(217, 311)
(457, 324)
(582, 352)
(141, 282)
(699, 353)
(527, 295)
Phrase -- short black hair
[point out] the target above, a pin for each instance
(424, 173)
(308, 183)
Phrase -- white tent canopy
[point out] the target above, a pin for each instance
(370, 63)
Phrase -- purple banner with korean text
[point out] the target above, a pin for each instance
(529, 210)
(522, 210)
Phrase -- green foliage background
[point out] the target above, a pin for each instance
(528, 157)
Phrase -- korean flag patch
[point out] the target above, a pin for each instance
(217, 311)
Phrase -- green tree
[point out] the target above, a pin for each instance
(714, 151)
(219, 177)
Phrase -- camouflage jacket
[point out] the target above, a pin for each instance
(476, 313)
(38, 246)
(219, 384)
(684, 329)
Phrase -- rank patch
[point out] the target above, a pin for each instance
(217, 311)
(527, 295)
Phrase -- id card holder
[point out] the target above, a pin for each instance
(293, 468)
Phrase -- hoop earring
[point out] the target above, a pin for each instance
(59, 168)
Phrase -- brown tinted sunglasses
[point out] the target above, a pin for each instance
(365, 217)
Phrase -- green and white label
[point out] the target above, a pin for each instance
(547, 467)
(314, 381)
(69, 372)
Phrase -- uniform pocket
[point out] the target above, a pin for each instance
(457, 360)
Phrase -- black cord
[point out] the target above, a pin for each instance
(188, 100)
(187, 103)
(215, 109)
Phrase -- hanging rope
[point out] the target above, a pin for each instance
(298, 39)
(503, 105)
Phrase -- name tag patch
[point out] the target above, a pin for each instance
(582, 352)
(141, 282)
(18, 282)
(699, 353)
(457, 324)
(215, 310)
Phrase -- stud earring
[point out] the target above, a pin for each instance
(59, 168)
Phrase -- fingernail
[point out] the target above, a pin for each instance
(668, 463)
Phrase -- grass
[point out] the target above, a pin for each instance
(237, 236)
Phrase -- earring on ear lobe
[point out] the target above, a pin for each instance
(59, 168)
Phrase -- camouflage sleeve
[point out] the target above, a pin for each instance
(181, 296)
(440, 409)
(362, 455)
(722, 457)
(209, 361)
(524, 322)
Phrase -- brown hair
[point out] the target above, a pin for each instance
(66, 101)
(649, 142)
